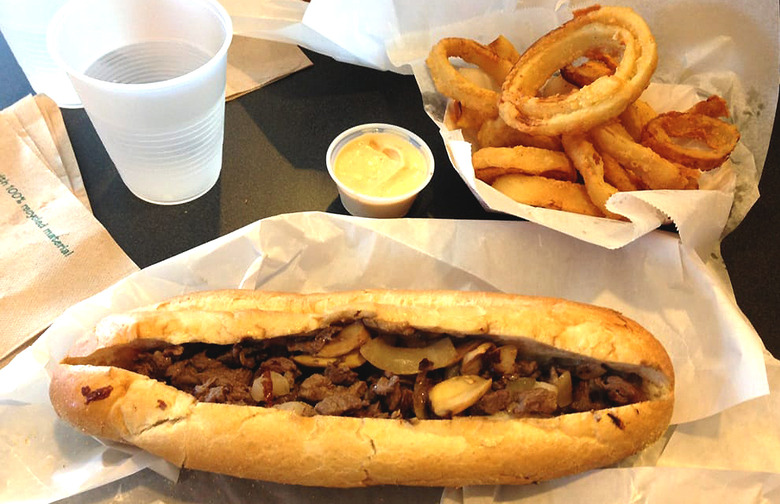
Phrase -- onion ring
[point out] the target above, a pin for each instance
(548, 193)
(594, 104)
(635, 118)
(491, 162)
(598, 64)
(617, 176)
(714, 106)
(591, 166)
(585, 74)
(654, 171)
(459, 117)
(451, 83)
(504, 49)
(691, 175)
(714, 139)
(496, 133)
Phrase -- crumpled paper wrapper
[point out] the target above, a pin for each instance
(320, 26)
(705, 47)
(718, 357)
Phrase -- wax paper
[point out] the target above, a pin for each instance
(718, 357)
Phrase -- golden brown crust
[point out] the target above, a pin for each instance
(275, 445)
(229, 315)
(280, 446)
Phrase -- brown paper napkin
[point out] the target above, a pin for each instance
(253, 63)
(53, 252)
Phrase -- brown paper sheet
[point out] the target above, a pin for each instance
(53, 252)
(12, 122)
(39, 122)
(254, 63)
(56, 125)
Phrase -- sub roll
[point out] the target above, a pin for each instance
(373, 387)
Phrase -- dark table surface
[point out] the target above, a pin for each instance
(275, 141)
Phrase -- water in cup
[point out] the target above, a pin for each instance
(147, 62)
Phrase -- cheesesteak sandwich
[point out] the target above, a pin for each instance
(358, 388)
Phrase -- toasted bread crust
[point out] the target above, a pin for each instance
(280, 446)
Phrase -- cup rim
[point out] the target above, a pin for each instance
(55, 26)
(378, 127)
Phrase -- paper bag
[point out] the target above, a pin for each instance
(53, 252)
(38, 121)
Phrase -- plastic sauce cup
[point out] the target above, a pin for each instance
(363, 205)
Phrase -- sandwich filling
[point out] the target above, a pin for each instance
(350, 369)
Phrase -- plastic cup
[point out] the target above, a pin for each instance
(151, 75)
(24, 24)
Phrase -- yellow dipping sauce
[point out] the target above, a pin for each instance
(380, 164)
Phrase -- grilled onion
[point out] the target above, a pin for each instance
(406, 361)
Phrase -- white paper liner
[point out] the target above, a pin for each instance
(642, 484)
(718, 357)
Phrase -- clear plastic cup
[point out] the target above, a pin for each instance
(24, 24)
(151, 75)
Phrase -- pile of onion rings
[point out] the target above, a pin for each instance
(562, 125)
